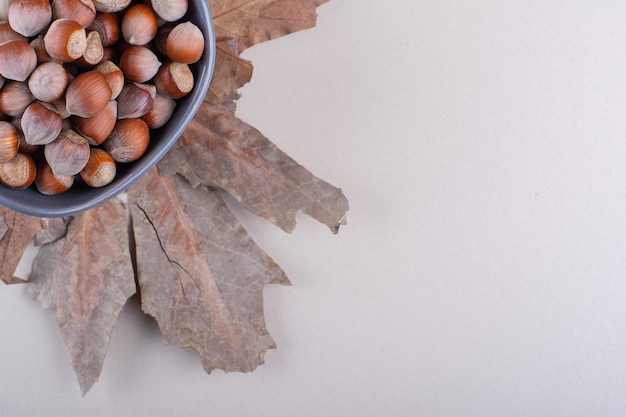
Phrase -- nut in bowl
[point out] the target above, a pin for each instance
(143, 88)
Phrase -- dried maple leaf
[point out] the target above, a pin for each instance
(200, 275)
(16, 232)
(56, 228)
(240, 24)
(85, 278)
(255, 21)
(220, 149)
(231, 72)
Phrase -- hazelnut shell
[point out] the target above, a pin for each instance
(87, 94)
(19, 172)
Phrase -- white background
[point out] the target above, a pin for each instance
(482, 146)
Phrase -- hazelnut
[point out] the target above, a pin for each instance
(139, 25)
(48, 81)
(100, 169)
(93, 51)
(161, 111)
(8, 34)
(40, 50)
(113, 76)
(14, 98)
(19, 172)
(110, 6)
(185, 43)
(59, 105)
(81, 11)
(170, 10)
(23, 146)
(161, 38)
(40, 123)
(17, 60)
(139, 64)
(68, 153)
(135, 100)
(29, 17)
(108, 27)
(97, 128)
(65, 40)
(9, 141)
(174, 79)
(87, 94)
(128, 141)
(49, 183)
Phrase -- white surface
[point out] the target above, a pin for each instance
(483, 271)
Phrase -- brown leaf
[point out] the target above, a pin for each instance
(16, 232)
(255, 21)
(56, 228)
(220, 149)
(85, 279)
(230, 72)
(200, 275)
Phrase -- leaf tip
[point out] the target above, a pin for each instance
(85, 382)
(281, 279)
(341, 222)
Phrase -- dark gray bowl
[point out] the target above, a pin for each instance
(82, 197)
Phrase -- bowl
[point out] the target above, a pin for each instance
(81, 197)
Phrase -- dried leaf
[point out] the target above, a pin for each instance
(85, 279)
(3, 227)
(230, 73)
(56, 228)
(200, 275)
(220, 149)
(17, 230)
(256, 21)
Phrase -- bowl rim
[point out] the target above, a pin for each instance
(11, 198)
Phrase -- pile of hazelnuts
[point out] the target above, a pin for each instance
(83, 82)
